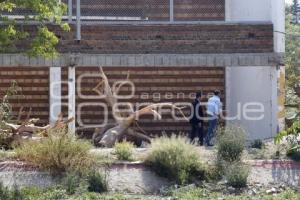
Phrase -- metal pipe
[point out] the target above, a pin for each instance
(70, 10)
(71, 98)
(296, 11)
(171, 10)
(78, 22)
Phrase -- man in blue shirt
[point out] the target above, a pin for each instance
(214, 107)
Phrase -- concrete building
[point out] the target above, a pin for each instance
(172, 48)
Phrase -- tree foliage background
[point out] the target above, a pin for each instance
(292, 61)
(45, 12)
(292, 49)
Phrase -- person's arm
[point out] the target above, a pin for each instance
(219, 107)
(201, 113)
(192, 119)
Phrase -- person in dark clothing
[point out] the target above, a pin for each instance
(196, 120)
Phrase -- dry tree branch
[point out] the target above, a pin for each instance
(151, 109)
(123, 125)
(121, 84)
(103, 88)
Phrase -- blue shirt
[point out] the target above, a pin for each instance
(214, 106)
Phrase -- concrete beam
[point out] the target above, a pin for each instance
(142, 60)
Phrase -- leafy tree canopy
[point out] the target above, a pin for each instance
(292, 50)
(42, 12)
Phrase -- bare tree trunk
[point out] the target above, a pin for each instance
(124, 120)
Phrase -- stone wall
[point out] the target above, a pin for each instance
(123, 177)
(138, 179)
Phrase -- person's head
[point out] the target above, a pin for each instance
(199, 95)
(217, 93)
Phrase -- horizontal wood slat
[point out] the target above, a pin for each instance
(148, 80)
(152, 85)
(34, 93)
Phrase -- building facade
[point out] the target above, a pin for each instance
(171, 49)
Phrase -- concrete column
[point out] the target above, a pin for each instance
(72, 98)
(249, 84)
(78, 20)
(278, 19)
(245, 10)
(171, 10)
(55, 93)
(227, 10)
(227, 68)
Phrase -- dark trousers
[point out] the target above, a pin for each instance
(197, 132)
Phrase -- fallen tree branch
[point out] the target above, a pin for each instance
(123, 124)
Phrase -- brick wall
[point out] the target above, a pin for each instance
(187, 39)
(173, 84)
(34, 93)
(173, 39)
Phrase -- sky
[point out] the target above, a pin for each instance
(289, 1)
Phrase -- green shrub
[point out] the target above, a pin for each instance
(7, 138)
(32, 193)
(124, 150)
(14, 194)
(97, 182)
(289, 194)
(294, 154)
(97, 196)
(6, 154)
(71, 182)
(291, 135)
(5, 106)
(195, 193)
(237, 175)
(59, 152)
(176, 159)
(4, 192)
(214, 171)
(257, 144)
(54, 194)
(190, 193)
(231, 142)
